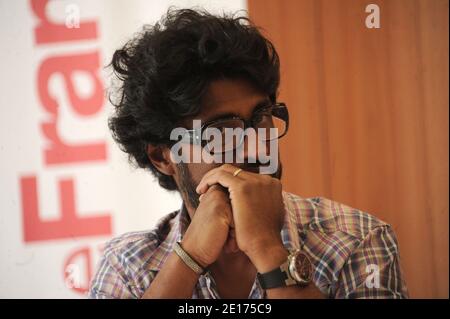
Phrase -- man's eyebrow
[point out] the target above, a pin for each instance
(259, 105)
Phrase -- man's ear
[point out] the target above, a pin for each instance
(159, 155)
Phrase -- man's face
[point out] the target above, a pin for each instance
(224, 98)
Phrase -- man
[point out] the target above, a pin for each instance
(238, 235)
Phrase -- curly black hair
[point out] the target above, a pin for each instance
(165, 70)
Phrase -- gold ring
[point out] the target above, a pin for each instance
(236, 172)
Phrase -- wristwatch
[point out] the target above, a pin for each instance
(296, 270)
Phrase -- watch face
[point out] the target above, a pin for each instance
(301, 268)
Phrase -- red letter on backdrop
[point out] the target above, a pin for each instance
(48, 32)
(66, 65)
(59, 152)
(68, 226)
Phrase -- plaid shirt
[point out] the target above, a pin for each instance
(354, 254)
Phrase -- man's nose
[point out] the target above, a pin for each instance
(252, 147)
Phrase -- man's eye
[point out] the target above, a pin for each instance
(264, 111)
(262, 117)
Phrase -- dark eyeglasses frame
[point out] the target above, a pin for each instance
(196, 134)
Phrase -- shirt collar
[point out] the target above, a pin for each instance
(177, 223)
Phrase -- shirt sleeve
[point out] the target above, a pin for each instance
(110, 280)
(373, 269)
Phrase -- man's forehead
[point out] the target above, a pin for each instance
(231, 96)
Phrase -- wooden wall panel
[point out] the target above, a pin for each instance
(369, 110)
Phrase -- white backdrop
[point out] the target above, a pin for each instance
(65, 188)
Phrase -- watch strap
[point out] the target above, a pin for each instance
(278, 277)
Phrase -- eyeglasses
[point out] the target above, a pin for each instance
(227, 134)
